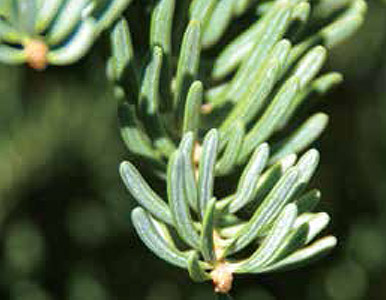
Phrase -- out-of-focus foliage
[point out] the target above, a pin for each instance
(53, 199)
(362, 211)
(58, 183)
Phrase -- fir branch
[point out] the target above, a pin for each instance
(57, 32)
(258, 81)
(191, 128)
(281, 227)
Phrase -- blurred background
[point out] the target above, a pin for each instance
(64, 213)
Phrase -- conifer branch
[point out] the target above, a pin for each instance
(257, 84)
(57, 32)
(280, 227)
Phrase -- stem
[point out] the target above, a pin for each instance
(221, 296)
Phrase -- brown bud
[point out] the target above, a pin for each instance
(222, 278)
(206, 108)
(36, 54)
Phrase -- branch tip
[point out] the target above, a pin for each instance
(36, 54)
(222, 278)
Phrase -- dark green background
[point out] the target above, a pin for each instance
(64, 213)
